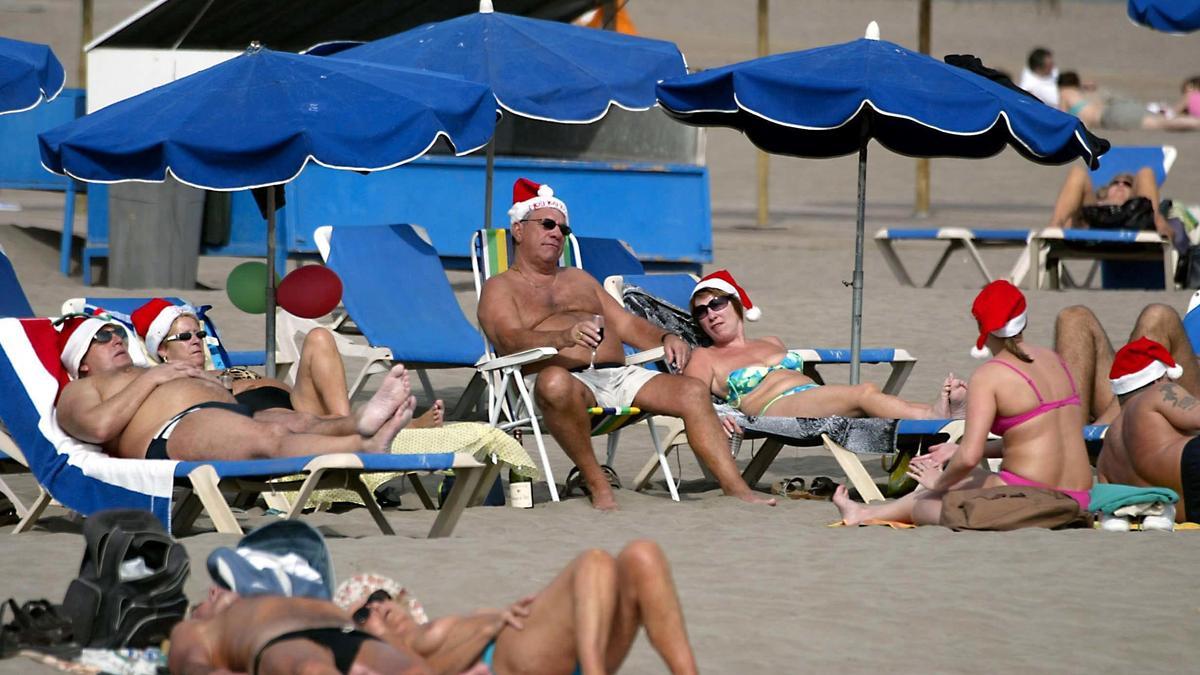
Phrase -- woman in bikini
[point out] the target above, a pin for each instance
(1025, 395)
(761, 377)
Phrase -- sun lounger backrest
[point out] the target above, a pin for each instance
(1130, 158)
(492, 253)
(13, 302)
(603, 257)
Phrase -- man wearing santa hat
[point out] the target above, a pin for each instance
(177, 411)
(536, 303)
(1155, 440)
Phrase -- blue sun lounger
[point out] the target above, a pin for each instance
(85, 479)
(954, 238)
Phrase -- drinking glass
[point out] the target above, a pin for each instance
(599, 320)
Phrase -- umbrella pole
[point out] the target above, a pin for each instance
(270, 350)
(489, 173)
(857, 284)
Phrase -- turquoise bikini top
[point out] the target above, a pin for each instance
(745, 380)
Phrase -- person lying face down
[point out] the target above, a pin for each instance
(597, 600)
(761, 377)
(176, 410)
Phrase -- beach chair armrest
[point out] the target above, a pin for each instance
(522, 358)
(648, 356)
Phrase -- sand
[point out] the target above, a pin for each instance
(775, 588)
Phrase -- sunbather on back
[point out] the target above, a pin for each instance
(1025, 395)
(761, 377)
(1155, 440)
(1129, 201)
(178, 411)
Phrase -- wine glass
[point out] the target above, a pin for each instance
(598, 319)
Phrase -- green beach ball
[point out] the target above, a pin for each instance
(247, 287)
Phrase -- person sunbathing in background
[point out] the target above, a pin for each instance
(173, 334)
(178, 411)
(1129, 201)
(1113, 112)
(1155, 440)
(584, 621)
(761, 377)
(1025, 395)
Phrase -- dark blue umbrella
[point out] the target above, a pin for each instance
(258, 119)
(29, 74)
(539, 69)
(1168, 16)
(831, 101)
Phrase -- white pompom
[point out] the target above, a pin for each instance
(485, 7)
(545, 191)
(1175, 372)
(977, 353)
(753, 314)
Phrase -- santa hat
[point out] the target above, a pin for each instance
(1139, 363)
(74, 339)
(529, 196)
(153, 320)
(722, 280)
(999, 310)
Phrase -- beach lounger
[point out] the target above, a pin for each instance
(419, 323)
(954, 238)
(13, 302)
(510, 398)
(1050, 246)
(85, 479)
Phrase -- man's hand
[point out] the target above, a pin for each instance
(166, 372)
(583, 333)
(676, 352)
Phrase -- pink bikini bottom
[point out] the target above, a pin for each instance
(1083, 497)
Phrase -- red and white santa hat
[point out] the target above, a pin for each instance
(529, 196)
(722, 280)
(153, 321)
(1139, 363)
(999, 309)
(74, 338)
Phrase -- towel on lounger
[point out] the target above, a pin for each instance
(1108, 497)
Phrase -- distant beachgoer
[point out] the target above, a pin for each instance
(1040, 76)
(1128, 201)
(1088, 351)
(1114, 112)
(762, 377)
(1024, 394)
(1155, 440)
(1189, 101)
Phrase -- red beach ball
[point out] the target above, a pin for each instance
(310, 291)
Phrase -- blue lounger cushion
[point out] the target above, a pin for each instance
(293, 465)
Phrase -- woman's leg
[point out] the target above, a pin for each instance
(321, 377)
(858, 400)
(1146, 185)
(919, 507)
(1076, 192)
(647, 597)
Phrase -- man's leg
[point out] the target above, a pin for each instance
(564, 401)
(647, 596)
(320, 377)
(690, 400)
(1162, 324)
(1076, 192)
(394, 390)
(1081, 341)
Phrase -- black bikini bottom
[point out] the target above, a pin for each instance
(343, 642)
(265, 398)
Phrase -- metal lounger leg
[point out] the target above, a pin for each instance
(354, 482)
(421, 492)
(952, 245)
(662, 461)
(893, 262)
(762, 461)
(206, 485)
(466, 483)
(34, 513)
(974, 253)
(527, 399)
(899, 375)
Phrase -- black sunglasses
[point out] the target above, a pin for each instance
(185, 336)
(1122, 181)
(363, 613)
(714, 305)
(106, 334)
(549, 224)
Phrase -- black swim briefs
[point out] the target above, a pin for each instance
(1189, 479)
(157, 449)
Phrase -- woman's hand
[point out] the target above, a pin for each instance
(517, 612)
(938, 455)
(925, 474)
(729, 423)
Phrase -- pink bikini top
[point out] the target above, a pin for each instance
(1002, 424)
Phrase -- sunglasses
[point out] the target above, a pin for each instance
(715, 305)
(106, 334)
(549, 224)
(363, 613)
(1122, 181)
(185, 336)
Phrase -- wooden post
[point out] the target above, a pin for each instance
(921, 207)
(85, 37)
(764, 160)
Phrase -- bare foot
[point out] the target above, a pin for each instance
(952, 399)
(752, 497)
(432, 418)
(393, 393)
(602, 497)
(381, 441)
(852, 512)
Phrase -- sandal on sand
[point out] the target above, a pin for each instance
(575, 480)
(37, 624)
(821, 488)
(786, 487)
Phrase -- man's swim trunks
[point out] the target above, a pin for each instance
(614, 385)
(1189, 479)
(157, 449)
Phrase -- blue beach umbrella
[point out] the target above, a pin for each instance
(29, 74)
(543, 70)
(830, 101)
(1168, 16)
(257, 120)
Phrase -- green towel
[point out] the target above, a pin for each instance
(1108, 497)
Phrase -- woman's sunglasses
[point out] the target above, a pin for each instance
(363, 613)
(714, 305)
(185, 336)
(549, 224)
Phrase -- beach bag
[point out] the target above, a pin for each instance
(1011, 507)
(1135, 214)
(129, 592)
